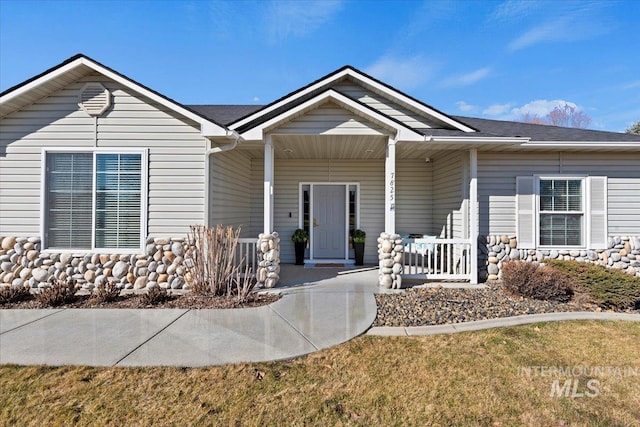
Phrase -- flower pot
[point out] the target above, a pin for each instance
(358, 249)
(300, 247)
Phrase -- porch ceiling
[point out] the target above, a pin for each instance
(339, 147)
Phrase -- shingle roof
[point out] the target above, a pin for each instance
(226, 114)
(543, 132)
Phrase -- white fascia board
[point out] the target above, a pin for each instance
(207, 128)
(582, 144)
(289, 99)
(44, 79)
(478, 140)
(366, 80)
(400, 131)
(411, 102)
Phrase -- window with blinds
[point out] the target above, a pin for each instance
(561, 212)
(93, 200)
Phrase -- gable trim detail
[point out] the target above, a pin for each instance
(208, 127)
(357, 75)
(398, 130)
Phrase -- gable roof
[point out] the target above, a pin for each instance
(77, 66)
(398, 129)
(309, 91)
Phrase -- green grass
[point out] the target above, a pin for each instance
(460, 379)
(606, 287)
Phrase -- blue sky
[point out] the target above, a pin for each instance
(492, 59)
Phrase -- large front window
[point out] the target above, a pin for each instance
(561, 212)
(93, 200)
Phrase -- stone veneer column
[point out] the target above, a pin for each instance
(268, 271)
(390, 252)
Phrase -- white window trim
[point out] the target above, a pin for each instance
(584, 211)
(311, 184)
(144, 197)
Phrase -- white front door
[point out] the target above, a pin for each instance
(328, 225)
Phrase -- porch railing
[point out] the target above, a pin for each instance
(246, 254)
(435, 258)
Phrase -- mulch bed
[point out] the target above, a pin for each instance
(173, 301)
(437, 306)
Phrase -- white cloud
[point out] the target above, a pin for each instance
(513, 9)
(298, 18)
(497, 109)
(256, 99)
(467, 79)
(467, 108)
(405, 73)
(573, 22)
(541, 107)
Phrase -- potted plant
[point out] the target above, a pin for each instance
(300, 238)
(358, 238)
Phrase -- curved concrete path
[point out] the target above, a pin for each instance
(307, 318)
(327, 311)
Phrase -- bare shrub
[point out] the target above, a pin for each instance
(536, 281)
(57, 293)
(106, 292)
(155, 296)
(215, 269)
(13, 294)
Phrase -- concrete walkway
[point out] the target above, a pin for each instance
(320, 308)
(309, 317)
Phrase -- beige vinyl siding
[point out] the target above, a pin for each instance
(448, 195)
(288, 175)
(230, 189)
(497, 174)
(384, 105)
(176, 155)
(329, 119)
(497, 186)
(413, 196)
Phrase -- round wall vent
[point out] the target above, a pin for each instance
(94, 99)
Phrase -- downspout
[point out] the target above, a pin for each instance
(230, 134)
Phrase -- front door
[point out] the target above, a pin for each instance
(328, 226)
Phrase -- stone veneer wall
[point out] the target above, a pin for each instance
(390, 253)
(268, 271)
(23, 263)
(622, 253)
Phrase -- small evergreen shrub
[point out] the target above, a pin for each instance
(536, 281)
(609, 288)
(106, 292)
(57, 293)
(155, 296)
(13, 294)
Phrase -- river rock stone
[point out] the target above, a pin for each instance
(120, 269)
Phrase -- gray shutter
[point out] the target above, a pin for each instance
(597, 212)
(526, 212)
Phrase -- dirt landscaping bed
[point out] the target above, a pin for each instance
(138, 301)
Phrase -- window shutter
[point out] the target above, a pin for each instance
(597, 212)
(526, 212)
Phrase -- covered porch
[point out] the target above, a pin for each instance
(329, 164)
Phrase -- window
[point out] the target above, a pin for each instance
(561, 212)
(93, 200)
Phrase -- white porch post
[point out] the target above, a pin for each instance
(473, 217)
(268, 184)
(390, 188)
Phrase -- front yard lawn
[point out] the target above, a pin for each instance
(489, 378)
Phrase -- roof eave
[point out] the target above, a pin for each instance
(208, 128)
